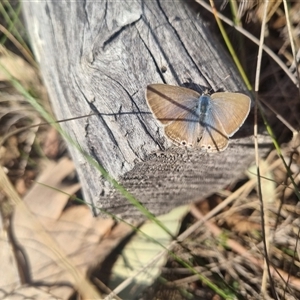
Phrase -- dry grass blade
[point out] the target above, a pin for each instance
(26, 54)
(255, 40)
(245, 253)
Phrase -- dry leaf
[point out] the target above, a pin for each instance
(18, 68)
(51, 143)
(29, 292)
(85, 240)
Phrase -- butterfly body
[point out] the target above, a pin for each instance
(197, 121)
(205, 106)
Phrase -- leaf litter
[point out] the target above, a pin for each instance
(230, 249)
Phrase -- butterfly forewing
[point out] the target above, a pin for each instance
(169, 102)
(231, 109)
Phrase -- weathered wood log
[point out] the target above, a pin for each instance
(99, 57)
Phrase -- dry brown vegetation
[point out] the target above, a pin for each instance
(245, 241)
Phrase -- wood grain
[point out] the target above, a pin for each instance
(98, 57)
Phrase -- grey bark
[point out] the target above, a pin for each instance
(99, 56)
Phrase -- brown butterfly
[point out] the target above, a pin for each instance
(198, 121)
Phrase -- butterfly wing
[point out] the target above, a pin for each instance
(167, 102)
(178, 109)
(214, 138)
(231, 109)
(185, 130)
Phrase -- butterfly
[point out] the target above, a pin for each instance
(197, 121)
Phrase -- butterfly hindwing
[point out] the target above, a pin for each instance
(214, 137)
(185, 130)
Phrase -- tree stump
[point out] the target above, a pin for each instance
(99, 57)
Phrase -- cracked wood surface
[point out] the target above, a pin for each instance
(98, 57)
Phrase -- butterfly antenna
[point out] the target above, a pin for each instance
(210, 91)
